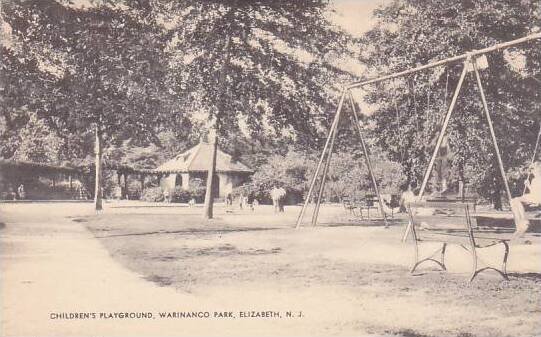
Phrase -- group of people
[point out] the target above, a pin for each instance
(248, 201)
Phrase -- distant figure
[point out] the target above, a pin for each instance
(82, 193)
(282, 199)
(528, 199)
(117, 192)
(241, 200)
(229, 200)
(406, 197)
(166, 196)
(277, 196)
(21, 192)
(442, 164)
(191, 203)
(12, 194)
(250, 200)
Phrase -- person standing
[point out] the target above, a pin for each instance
(282, 198)
(241, 200)
(166, 196)
(275, 196)
(21, 192)
(533, 197)
(250, 200)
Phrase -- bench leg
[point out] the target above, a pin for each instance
(441, 263)
(502, 272)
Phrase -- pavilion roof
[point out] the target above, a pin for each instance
(37, 167)
(197, 159)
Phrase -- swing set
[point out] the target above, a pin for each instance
(472, 62)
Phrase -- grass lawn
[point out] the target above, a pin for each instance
(344, 278)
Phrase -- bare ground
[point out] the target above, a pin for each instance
(354, 276)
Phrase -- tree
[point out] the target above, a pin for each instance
(107, 67)
(347, 176)
(37, 143)
(255, 65)
(410, 109)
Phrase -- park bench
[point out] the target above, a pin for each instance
(456, 226)
(349, 205)
(366, 203)
(466, 199)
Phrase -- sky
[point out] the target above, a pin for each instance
(355, 16)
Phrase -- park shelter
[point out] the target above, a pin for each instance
(14, 173)
(193, 165)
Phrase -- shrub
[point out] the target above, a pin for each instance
(180, 195)
(152, 194)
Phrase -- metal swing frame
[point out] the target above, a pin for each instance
(469, 58)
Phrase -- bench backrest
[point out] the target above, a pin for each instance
(450, 218)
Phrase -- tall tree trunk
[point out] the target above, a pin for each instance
(213, 136)
(209, 197)
(97, 187)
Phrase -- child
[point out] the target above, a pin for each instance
(531, 198)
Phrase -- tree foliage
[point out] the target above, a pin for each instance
(410, 109)
(258, 67)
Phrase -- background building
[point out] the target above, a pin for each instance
(192, 165)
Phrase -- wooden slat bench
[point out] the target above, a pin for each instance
(455, 227)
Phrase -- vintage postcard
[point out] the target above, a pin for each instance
(270, 168)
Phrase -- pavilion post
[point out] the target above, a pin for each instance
(491, 128)
(440, 138)
(142, 180)
(367, 158)
(70, 182)
(97, 188)
(126, 194)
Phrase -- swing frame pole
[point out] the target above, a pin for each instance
(443, 129)
(448, 60)
(332, 136)
(325, 172)
(367, 158)
(491, 128)
(316, 173)
(440, 139)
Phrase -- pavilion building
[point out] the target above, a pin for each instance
(193, 165)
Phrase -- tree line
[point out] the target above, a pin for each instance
(122, 75)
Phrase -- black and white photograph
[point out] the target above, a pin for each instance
(270, 168)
